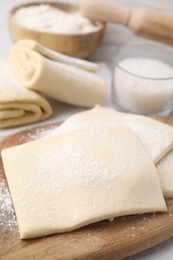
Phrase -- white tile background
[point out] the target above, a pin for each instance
(115, 36)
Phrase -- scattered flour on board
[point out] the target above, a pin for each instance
(7, 215)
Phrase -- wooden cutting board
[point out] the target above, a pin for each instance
(121, 238)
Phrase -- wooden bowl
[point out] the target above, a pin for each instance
(76, 45)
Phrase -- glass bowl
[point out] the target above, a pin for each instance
(143, 78)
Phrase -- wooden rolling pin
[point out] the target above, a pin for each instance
(145, 21)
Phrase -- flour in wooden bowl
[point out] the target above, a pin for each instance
(50, 19)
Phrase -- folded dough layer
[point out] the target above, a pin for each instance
(65, 182)
(165, 170)
(66, 79)
(156, 137)
(18, 105)
(57, 56)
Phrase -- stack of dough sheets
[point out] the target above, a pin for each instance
(97, 165)
(156, 137)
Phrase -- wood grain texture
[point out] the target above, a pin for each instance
(115, 240)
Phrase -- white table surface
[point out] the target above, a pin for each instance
(115, 36)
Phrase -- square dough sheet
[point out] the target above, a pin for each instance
(65, 182)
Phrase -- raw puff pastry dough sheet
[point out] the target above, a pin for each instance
(65, 182)
(156, 137)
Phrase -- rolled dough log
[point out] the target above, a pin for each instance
(57, 56)
(65, 182)
(60, 77)
(18, 105)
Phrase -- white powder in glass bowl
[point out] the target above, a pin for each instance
(47, 18)
(144, 86)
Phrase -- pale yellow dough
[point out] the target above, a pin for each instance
(18, 105)
(66, 79)
(65, 182)
(165, 170)
(156, 137)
